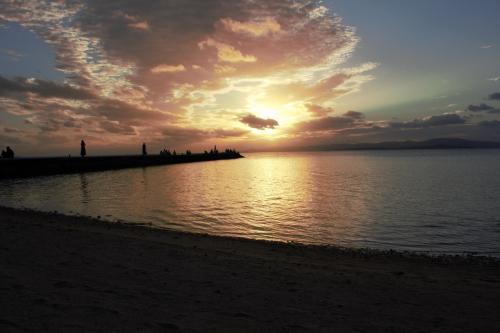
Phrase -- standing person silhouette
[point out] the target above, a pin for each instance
(144, 152)
(83, 150)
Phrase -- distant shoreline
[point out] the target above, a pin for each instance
(44, 166)
(66, 272)
(433, 144)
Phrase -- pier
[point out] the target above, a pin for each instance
(34, 167)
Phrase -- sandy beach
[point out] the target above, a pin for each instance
(62, 273)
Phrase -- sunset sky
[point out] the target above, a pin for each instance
(251, 74)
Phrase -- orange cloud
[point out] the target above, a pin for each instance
(226, 52)
(163, 68)
(255, 28)
(143, 25)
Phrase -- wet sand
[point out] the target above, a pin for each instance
(63, 273)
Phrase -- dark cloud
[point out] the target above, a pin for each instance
(12, 130)
(444, 125)
(222, 133)
(483, 108)
(116, 127)
(183, 132)
(495, 96)
(432, 121)
(325, 124)
(49, 105)
(121, 111)
(176, 136)
(259, 123)
(354, 114)
(490, 124)
(43, 89)
(321, 111)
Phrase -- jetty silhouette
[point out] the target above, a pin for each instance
(33, 167)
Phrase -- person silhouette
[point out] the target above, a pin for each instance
(144, 152)
(9, 153)
(83, 150)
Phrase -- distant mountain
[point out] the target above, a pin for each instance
(441, 143)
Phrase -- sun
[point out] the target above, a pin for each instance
(286, 115)
(265, 112)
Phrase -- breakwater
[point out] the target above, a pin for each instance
(33, 167)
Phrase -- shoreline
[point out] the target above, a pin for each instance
(436, 256)
(77, 273)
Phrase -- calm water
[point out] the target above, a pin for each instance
(442, 201)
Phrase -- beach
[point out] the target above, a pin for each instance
(72, 273)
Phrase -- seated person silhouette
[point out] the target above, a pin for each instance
(7, 153)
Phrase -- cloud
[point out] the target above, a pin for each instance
(490, 123)
(495, 79)
(431, 121)
(354, 114)
(131, 67)
(318, 110)
(325, 124)
(41, 94)
(483, 108)
(226, 52)
(167, 69)
(144, 25)
(223, 133)
(132, 21)
(12, 130)
(314, 93)
(480, 108)
(259, 123)
(53, 108)
(116, 127)
(487, 46)
(43, 88)
(254, 28)
(495, 96)
(120, 111)
(256, 36)
(177, 135)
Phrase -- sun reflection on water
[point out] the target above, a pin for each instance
(350, 199)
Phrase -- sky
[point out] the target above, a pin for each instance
(251, 75)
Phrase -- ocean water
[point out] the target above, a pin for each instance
(439, 201)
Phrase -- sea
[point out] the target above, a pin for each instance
(430, 201)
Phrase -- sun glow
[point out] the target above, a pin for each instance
(265, 112)
(285, 115)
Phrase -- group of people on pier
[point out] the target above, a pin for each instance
(7, 153)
